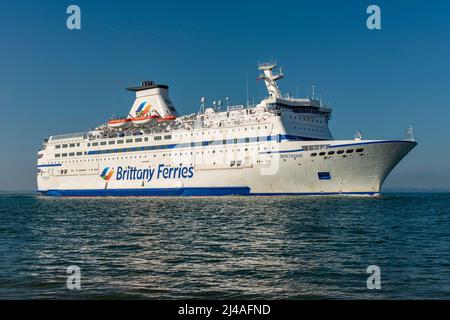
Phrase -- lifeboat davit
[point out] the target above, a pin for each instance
(140, 121)
(119, 123)
(169, 117)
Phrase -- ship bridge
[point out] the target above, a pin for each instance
(278, 101)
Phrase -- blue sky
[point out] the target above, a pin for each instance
(53, 80)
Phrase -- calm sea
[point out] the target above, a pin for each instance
(231, 247)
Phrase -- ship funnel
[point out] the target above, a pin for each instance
(152, 100)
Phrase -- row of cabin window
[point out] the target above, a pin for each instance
(70, 154)
(306, 119)
(309, 129)
(69, 145)
(337, 152)
(104, 143)
(145, 156)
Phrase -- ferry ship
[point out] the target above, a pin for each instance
(280, 146)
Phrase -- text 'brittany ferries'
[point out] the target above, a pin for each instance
(162, 172)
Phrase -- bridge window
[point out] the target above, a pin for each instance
(57, 155)
(340, 152)
(349, 151)
(94, 144)
(138, 140)
(360, 150)
(103, 143)
(157, 138)
(72, 145)
(57, 146)
(168, 137)
(129, 141)
(119, 141)
(112, 142)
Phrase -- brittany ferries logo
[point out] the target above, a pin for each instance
(107, 173)
(148, 174)
(141, 111)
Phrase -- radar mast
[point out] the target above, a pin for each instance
(271, 78)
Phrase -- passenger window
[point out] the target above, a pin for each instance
(324, 175)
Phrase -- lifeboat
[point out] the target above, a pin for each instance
(119, 123)
(140, 121)
(169, 117)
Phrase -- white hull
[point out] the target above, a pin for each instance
(289, 173)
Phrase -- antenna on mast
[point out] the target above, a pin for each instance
(247, 88)
(313, 91)
(270, 78)
(202, 105)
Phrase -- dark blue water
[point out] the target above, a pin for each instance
(233, 247)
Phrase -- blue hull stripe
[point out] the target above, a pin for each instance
(49, 165)
(200, 191)
(278, 137)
